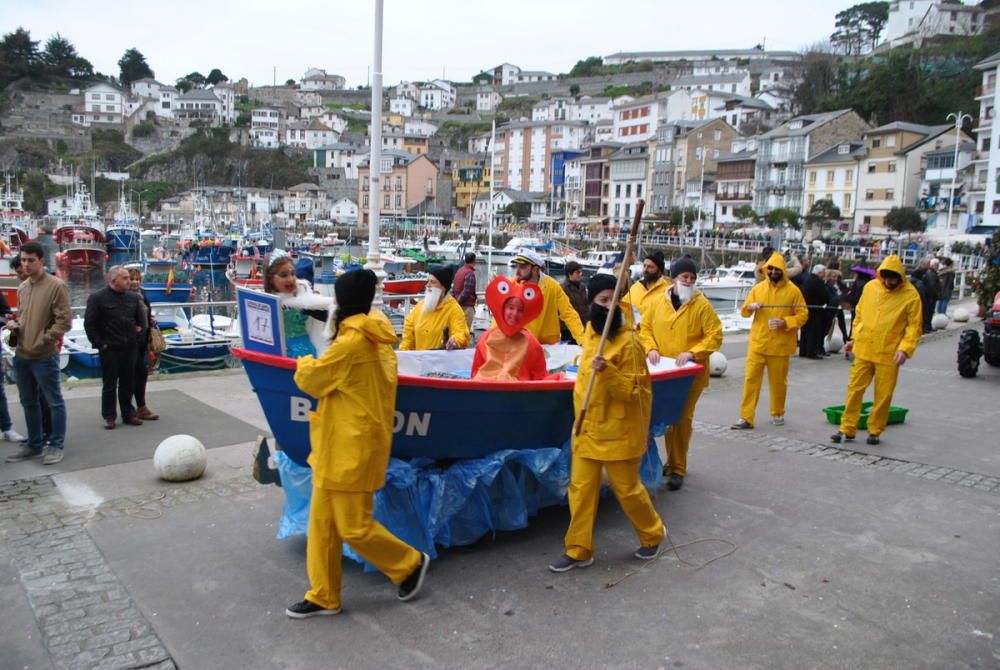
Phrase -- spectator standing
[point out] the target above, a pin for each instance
(112, 322)
(142, 360)
(6, 423)
(464, 288)
(946, 273)
(44, 316)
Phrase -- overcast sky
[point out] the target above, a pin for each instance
(423, 38)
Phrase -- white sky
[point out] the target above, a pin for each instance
(249, 38)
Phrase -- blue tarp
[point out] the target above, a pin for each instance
(430, 505)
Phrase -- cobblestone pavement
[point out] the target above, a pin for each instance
(87, 618)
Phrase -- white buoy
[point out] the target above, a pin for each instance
(180, 458)
(717, 364)
(834, 343)
(962, 315)
(939, 321)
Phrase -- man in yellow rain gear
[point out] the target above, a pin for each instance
(887, 326)
(557, 307)
(778, 310)
(437, 321)
(614, 434)
(646, 292)
(350, 433)
(684, 326)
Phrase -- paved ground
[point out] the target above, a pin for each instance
(868, 557)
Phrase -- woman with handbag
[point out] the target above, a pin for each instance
(145, 357)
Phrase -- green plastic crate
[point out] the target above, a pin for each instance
(833, 414)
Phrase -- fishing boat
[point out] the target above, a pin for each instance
(729, 283)
(80, 233)
(13, 219)
(201, 342)
(78, 346)
(514, 246)
(166, 280)
(406, 284)
(124, 234)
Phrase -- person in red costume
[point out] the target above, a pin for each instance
(508, 351)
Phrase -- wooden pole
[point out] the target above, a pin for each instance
(620, 286)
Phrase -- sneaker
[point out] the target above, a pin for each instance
(778, 420)
(837, 438)
(564, 563)
(647, 553)
(873, 440)
(675, 481)
(306, 609)
(12, 436)
(742, 424)
(23, 454)
(51, 455)
(411, 585)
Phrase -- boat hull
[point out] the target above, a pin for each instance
(157, 292)
(82, 258)
(123, 239)
(451, 418)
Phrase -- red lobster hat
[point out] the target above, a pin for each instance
(502, 289)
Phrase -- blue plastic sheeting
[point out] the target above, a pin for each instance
(429, 505)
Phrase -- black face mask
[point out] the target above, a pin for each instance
(598, 315)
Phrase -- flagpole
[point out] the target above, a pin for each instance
(374, 261)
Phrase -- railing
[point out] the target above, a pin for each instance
(220, 307)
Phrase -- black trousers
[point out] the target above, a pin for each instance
(118, 373)
(141, 374)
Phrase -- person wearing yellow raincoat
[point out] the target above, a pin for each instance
(646, 292)
(888, 323)
(684, 326)
(350, 433)
(437, 321)
(614, 434)
(778, 311)
(557, 307)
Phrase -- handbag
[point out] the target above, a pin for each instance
(157, 342)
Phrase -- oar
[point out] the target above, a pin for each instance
(619, 287)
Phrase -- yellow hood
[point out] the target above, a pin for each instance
(777, 261)
(893, 264)
(374, 329)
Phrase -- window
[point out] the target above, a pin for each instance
(829, 176)
(628, 190)
(890, 141)
(618, 190)
(869, 195)
(724, 210)
(812, 200)
(847, 201)
(892, 166)
(871, 168)
(365, 205)
(718, 135)
(849, 176)
(812, 176)
(890, 194)
(618, 210)
(638, 190)
(365, 187)
(399, 201)
(628, 208)
(109, 97)
(844, 149)
(876, 143)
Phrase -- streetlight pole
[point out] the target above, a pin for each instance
(374, 262)
(701, 200)
(959, 119)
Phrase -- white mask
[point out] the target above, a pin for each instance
(431, 298)
(684, 293)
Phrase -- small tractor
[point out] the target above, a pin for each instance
(971, 347)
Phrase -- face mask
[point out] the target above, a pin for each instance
(431, 298)
(598, 315)
(775, 277)
(684, 293)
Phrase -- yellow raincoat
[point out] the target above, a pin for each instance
(555, 308)
(351, 433)
(696, 328)
(355, 383)
(884, 322)
(770, 349)
(613, 438)
(643, 298)
(422, 332)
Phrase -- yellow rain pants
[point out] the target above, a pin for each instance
(777, 382)
(679, 436)
(862, 373)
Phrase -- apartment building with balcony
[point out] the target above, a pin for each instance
(408, 181)
(833, 175)
(627, 182)
(595, 176)
(944, 189)
(697, 147)
(984, 195)
(780, 173)
(524, 152)
(734, 180)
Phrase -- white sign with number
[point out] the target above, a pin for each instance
(259, 326)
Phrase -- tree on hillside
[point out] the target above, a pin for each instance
(574, 90)
(905, 220)
(782, 216)
(823, 213)
(18, 56)
(133, 67)
(216, 77)
(859, 27)
(183, 85)
(62, 60)
(588, 67)
(196, 78)
(817, 76)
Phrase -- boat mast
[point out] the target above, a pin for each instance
(374, 262)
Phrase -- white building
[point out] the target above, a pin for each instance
(418, 127)
(627, 182)
(914, 21)
(309, 134)
(342, 156)
(407, 89)
(636, 119)
(402, 106)
(316, 79)
(528, 76)
(227, 96)
(103, 103)
(524, 149)
(437, 95)
(737, 82)
(702, 56)
(505, 74)
(487, 100)
(265, 138)
(553, 109)
(265, 117)
(984, 199)
(707, 105)
(479, 144)
(344, 211)
(199, 104)
(942, 188)
(592, 110)
(307, 201)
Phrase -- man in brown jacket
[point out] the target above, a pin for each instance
(44, 316)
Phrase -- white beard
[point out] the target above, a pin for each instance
(431, 298)
(684, 293)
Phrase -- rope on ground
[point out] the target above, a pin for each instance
(144, 510)
(674, 548)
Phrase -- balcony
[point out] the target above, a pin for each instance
(734, 196)
(985, 91)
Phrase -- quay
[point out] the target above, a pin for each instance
(845, 557)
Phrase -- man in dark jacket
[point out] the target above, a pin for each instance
(814, 291)
(577, 293)
(112, 322)
(464, 288)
